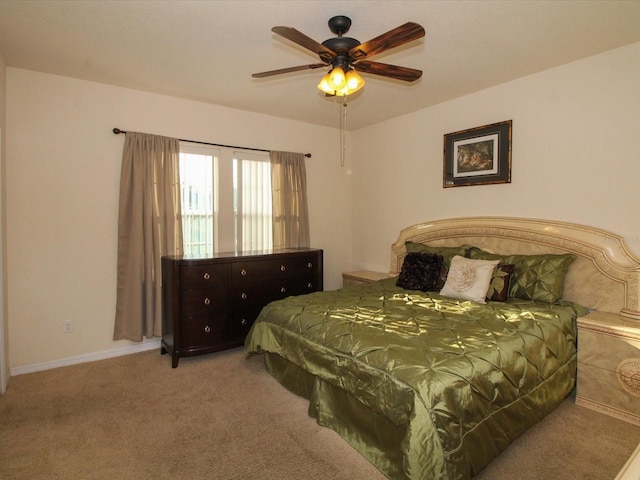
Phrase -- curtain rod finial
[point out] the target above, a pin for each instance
(117, 131)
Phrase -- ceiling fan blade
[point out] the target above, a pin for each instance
(325, 54)
(393, 38)
(386, 70)
(288, 70)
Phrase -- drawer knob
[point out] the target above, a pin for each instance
(282, 268)
(207, 301)
(309, 265)
(244, 296)
(207, 329)
(309, 285)
(206, 276)
(243, 272)
(243, 322)
(282, 289)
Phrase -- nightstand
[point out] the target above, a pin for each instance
(362, 276)
(609, 365)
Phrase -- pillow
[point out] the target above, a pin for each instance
(447, 254)
(536, 277)
(469, 279)
(420, 271)
(500, 283)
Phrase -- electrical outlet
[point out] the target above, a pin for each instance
(67, 326)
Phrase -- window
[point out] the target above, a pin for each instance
(198, 168)
(226, 200)
(252, 202)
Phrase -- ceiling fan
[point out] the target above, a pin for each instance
(346, 55)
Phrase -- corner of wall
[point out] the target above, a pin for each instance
(4, 347)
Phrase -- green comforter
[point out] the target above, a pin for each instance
(454, 381)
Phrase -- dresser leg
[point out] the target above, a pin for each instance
(174, 361)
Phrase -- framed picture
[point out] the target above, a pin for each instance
(478, 156)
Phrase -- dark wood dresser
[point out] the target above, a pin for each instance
(209, 304)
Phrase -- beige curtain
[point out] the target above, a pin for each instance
(289, 197)
(149, 226)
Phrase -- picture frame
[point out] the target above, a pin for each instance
(478, 156)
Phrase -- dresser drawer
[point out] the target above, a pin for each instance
(306, 284)
(240, 325)
(261, 293)
(259, 271)
(205, 302)
(284, 267)
(309, 265)
(241, 319)
(203, 330)
(203, 276)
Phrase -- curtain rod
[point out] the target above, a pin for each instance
(118, 131)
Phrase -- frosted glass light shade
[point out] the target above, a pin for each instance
(340, 84)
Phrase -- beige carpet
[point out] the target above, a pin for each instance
(222, 416)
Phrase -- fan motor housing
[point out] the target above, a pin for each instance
(341, 44)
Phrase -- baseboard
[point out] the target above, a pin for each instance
(608, 410)
(89, 357)
(631, 470)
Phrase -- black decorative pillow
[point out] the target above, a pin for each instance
(501, 282)
(420, 271)
(447, 252)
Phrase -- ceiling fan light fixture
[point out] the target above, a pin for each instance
(325, 86)
(341, 84)
(337, 78)
(354, 81)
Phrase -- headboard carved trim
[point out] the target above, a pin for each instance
(605, 276)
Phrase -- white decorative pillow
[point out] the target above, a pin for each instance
(469, 279)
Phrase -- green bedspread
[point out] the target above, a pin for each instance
(453, 382)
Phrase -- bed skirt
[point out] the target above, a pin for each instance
(383, 443)
(371, 434)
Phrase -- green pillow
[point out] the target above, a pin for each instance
(536, 277)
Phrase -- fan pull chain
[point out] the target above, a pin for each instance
(343, 131)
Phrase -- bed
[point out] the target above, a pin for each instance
(429, 381)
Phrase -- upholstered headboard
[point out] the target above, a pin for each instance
(605, 275)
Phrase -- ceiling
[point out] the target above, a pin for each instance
(207, 50)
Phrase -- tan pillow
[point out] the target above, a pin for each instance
(469, 279)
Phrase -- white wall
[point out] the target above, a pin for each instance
(4, 331)
(62, 180)
(574, 159)
(575, 156)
